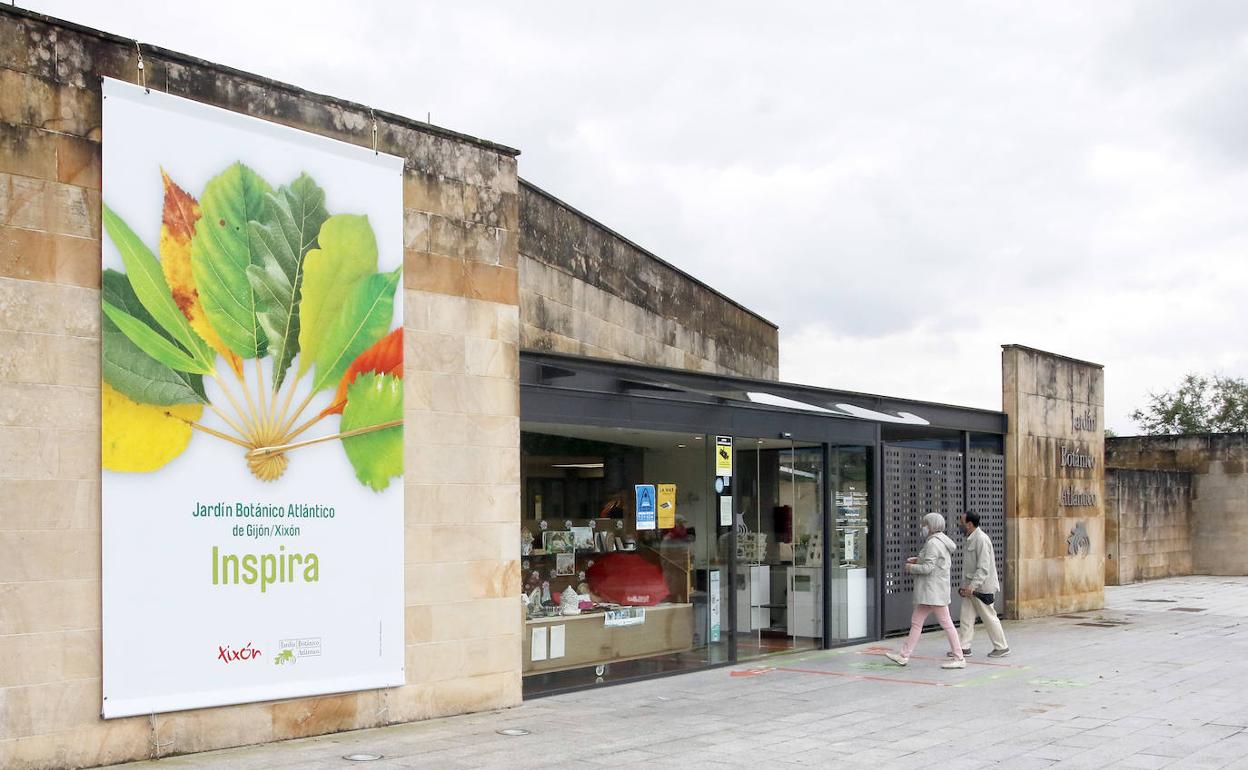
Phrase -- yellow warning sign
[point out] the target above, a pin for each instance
(667, 506)
(723, 455)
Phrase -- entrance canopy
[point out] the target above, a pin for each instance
(550, 383)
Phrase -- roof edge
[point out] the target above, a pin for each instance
(762, 384)
(615, 233)
(183, 58)
(1029, 349)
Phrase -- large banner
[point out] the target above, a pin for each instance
(252, 407)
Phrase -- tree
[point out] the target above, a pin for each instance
(1200, 404)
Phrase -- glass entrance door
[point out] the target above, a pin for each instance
(778, 502)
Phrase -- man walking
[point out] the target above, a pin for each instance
(979, 589)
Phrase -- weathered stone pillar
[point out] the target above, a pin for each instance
(1055, 483)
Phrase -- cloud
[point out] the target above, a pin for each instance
(901, 188)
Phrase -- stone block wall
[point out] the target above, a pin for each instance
(462, 331)
(589, 291)
(1148, 519)
(1055, 487)
(1217, 463)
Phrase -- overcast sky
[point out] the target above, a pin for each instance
(901, 187)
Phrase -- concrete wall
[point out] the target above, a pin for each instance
(1148, 520)
(1217, 464)
(462, 406)
(1056, 408)
(589, 291)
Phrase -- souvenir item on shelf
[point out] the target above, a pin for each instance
(558, 541)
(565, 564)
(535, 603)
(627, 578)
(526, 542)
(582, 538)
(570, 602)
(546, 592)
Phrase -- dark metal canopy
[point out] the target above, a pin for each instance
(544, 376)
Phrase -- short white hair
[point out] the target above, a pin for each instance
(934, 522)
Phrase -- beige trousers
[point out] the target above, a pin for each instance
(971, 607)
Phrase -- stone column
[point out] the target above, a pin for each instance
(1055, 483)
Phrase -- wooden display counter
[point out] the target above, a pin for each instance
(588, 641)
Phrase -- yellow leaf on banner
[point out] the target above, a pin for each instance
(178, 219)
(137, 438)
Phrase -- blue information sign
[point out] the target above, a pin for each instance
(645, 507)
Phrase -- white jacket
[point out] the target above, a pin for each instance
(979, 568)
(931, 571)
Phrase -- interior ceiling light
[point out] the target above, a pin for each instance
(681, 446)
(577, 465)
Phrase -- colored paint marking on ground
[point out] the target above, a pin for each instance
(1044, 681)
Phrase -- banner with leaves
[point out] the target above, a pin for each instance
(251, 374)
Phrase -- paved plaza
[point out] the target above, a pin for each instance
(1157, 679)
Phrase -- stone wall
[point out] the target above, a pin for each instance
(1055, 486)
(589, 291)
(462, 408)
(1148, 519)
(1217, 463)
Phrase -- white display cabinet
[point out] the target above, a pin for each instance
(753, 597)
(805, 602)
(849, 603)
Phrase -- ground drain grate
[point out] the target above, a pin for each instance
(1074, 617)
(1187, 609)
(1100, 625)
(1159, 601)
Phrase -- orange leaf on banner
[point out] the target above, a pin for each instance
(181, 212)
(384, 357)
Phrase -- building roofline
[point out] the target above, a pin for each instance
(1054, 355)
(165, 53)
(616, 234)
(762, 385)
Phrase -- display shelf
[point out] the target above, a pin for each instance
(588, 641)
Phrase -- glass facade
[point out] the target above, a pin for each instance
(622, 572)
(635, 562)
(779, 491)
(645, 551)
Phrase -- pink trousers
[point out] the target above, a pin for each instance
(921, 611)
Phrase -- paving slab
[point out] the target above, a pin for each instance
(1155, 688)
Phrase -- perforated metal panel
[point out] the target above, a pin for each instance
(987, 498)
(916, 481)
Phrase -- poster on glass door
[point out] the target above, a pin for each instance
(251, 409)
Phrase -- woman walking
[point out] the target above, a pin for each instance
(931, 591)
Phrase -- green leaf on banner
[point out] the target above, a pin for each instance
(221, 250)
(346, 253)
(150, 287)
(127, 368)
(293, 216)
(364, 319)
(377, 457)
(152, 343)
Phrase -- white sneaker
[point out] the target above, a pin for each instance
(899, 659)
(956, 663)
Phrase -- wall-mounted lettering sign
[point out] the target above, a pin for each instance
(1073, 457)
(1071, 497)
(251, 409)
(1084, 421)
